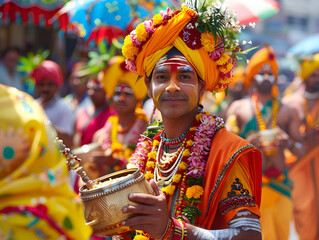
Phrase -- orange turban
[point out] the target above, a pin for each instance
(48, 69)
(262, 57)
(116, 73)
(206, 51)
(239, 77)
(309, 66)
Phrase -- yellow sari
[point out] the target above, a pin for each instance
(35, 199)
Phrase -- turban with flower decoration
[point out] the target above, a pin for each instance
(116, 73)
(206, 51)
(50, 70)
(308, 67)
(262, 57)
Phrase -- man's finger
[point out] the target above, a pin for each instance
(156, 189)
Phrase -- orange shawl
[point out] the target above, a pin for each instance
(305, 195)
(223, 157)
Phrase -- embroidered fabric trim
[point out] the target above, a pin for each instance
(222, 173)
(234, 202)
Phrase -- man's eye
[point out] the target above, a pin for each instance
(161, 77)
(184, 77)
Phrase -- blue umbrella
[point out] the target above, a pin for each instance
(309, 45)
(113, 17)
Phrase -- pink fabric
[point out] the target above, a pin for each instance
(87, 125)
(39, 211)
(48, 69)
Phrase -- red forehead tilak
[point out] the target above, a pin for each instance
(177, 62)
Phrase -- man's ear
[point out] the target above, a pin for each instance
(201, 86)
(148, 84)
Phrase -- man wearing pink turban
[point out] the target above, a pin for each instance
(48, 79)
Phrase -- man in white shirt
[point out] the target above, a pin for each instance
(8, 74)
(48, 79)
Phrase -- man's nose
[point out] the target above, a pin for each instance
(173, 85)
(122, 97)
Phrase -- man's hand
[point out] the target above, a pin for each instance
(282, 139)
(254, 139)
(151, 212)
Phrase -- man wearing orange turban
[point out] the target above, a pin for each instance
(206, 180)
(48, 79)
(119, 136)
(306, 170)
(267, 124)
(265, 56)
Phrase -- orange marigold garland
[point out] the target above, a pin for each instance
(213, 28)
(190, 171)
(261, 124)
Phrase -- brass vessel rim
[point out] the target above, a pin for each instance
(127, 181)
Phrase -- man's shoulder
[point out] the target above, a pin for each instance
(293, 99)
(61, 105)
(226, 139)
(239, 106)
(227, 146)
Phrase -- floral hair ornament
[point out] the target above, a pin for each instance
(204, 31)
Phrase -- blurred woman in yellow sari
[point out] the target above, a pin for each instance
(35, 199)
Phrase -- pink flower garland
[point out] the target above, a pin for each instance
(201, 145)
(199, 151)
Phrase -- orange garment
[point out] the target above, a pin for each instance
(276, 214)
(262, 57)
(225, 160)
(305, 176)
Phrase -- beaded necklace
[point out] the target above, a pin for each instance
(175, 142)
(188, 165)
(261, 124)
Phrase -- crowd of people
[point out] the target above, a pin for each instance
(237, 165)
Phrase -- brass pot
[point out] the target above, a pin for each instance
(103, 205)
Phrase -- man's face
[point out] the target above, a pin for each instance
(76, 84)
(124, 99)
(265, 79)
(312, 82)
(175, 87)
(96, 92)
(46, 89)
(10, 60)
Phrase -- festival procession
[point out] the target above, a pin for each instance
(159, 119)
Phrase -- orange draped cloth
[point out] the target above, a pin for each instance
(227, 159)
(305, 195)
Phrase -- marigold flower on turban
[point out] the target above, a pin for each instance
(264, 56)
(116, 73)
(48, 69)
(178, 29)
(308, 67)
